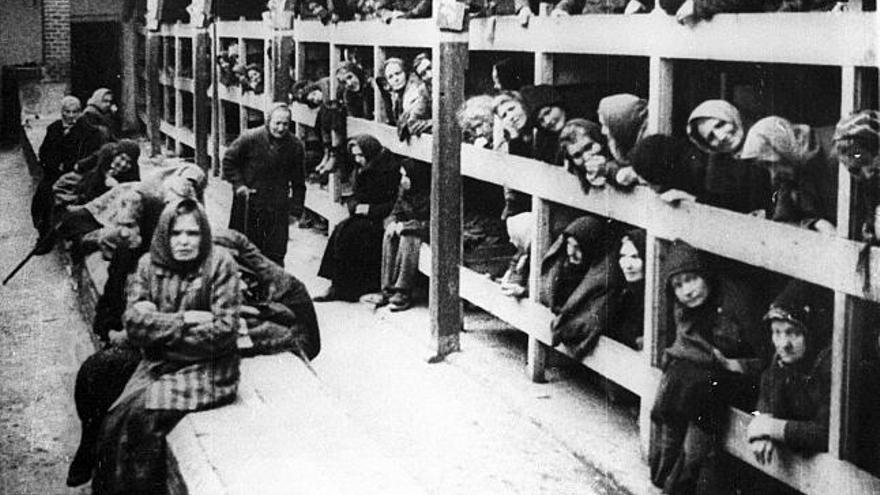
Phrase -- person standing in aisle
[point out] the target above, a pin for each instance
(266, 168)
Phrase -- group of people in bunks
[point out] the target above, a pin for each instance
(183, 301)
(742, 337)
(232, 72)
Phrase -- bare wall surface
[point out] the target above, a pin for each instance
(21, 32)
(94, 10)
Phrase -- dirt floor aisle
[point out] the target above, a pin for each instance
(42, 341)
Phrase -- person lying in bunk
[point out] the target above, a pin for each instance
(548, 114)
(392, 85)
(405, 230)
(226, 63)
(575, 7)
(689, 12)
(624, 118)
(353, 256)
(183, 314)
(482, 202)
(795, 394)
(253, 81)
(716, 133)
(582, 283)
(803, 171)
(355, 90)
(857, 146)
(326, 11)
(388, 10)
(581, 144)
(669, 166)
(415, 115)
(628, 327)
(713, 363)
(113, 164)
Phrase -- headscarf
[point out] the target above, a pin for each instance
(592, 234)
(509, 74)
(419, 174)
(638, 239)
(479, 109)
(98, 96)
(808, 307)
(93, 182)
(718, 109)
(863, 125)
(683, 257)
(625, 115)
(774, 139)
(160, 247)
(369, 145)
(537, 97)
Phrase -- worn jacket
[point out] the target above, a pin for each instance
(185, 367)
(60, 151)
(273, 167)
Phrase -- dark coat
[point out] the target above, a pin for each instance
(413, 206)
(274, 167)
(60, 151)
(377, 183)
(591, 305)
(100, 121)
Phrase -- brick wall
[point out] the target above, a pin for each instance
(56, 39)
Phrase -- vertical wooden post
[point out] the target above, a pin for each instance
(202, 64)
(242, 110)
(128, 98)
(175, 87)
(281, 81)
(378, 105)
(334, 184)
(536, 357)
(451, 59)
(216, 104)
(849, 335)
(660, 93)
(154, 101)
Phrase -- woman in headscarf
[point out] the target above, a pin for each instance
(99, 113)
(857, 145)
(183, 306)
(353, 256)
(581, 145)
(624, 118)
(355, 90)
(803, 172)
(547, 116)
(665, 163)
(628, 327)
(716, 130)
(581, 283)
(713, 363)
(117, 163)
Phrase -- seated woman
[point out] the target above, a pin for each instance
(355, 90)
(114, 163)
(803, 172)
(353, 257)
(405, 229)
(581, 283)
(716, 130)
(415, 115)
(628, 327)
(392, 85)
(624, 118)
(580, 143)
(183, 305)
(795, 394)
(712, 364)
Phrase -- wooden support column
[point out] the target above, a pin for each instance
(850, 331)
(128, 98)
(202, 63)
(451, 59)
(216, 104)
(281, 52)
(378, 103)
(154, 99)
(178, 101)
(536, 358)
(299, 72)
(660, 82)
(334, 184)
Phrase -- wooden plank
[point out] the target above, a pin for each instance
(611, 359)
(250, 447)
(420, 33)
(774, 246)
(154, 103)
(187, 84)
(243, 29)
(202, 64)
(281, 78)
(815, 38)
(819, 474)
(319, 201)
(302, 114)
(418, 147)
(444, 304)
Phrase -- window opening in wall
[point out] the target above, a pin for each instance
(255, 118)
(230, 119)
(186, 100)
(186, 57)
(254, 70)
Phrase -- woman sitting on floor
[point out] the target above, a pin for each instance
(353, 256)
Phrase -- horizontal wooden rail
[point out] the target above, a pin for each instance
(177, 30)
(819, 474)
(800, 253)
(179, 134)
(243, 29)
(420, 33)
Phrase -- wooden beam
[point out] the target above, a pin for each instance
(815, 38)
(283, 48)
(412, 33)
(334, 184)
(379, 114)
(154, 101)
(444, 304)
(202, 64)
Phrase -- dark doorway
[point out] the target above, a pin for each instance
(94, 58)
